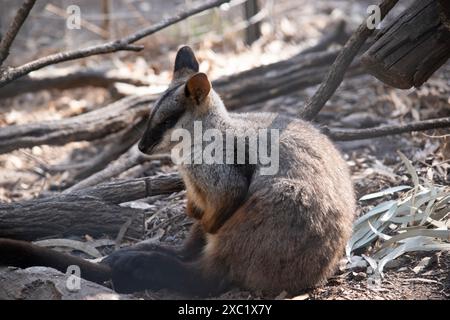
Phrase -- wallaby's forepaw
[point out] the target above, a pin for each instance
(133, 270)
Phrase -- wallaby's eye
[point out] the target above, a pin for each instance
(170, 121)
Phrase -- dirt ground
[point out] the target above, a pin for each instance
(360, 102)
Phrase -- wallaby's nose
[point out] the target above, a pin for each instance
(141, 146)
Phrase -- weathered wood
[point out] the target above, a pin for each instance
(102, 78)
(66, 215)
(13, 29)
(410, 49)
(88, 126)
(112, 151)
(126, 161)
(252, 32)
(40, 283)
(274, 80)
(84, 78)
(128, 190)
(386, 130)
(92, 211)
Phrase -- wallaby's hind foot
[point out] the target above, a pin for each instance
(136, 271)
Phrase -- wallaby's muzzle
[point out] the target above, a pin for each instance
(146, 144)
(142, 147)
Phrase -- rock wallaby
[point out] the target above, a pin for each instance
(261, 232)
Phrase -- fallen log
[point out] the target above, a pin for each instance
(66, 215)
(112, 151)
(386, 130)
(126, 161)
(94, 211)
(274, 80)
(103, 78)
(410, 49)
(88, 126)
(128, 190)
(85, 78)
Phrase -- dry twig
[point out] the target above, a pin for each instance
(386, 130)
(14, 28)
(12, 73)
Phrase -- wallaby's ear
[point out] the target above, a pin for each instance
(185, 60)
(198, 87)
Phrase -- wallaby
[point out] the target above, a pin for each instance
(260, 232)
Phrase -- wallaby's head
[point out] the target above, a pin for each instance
(188, 97)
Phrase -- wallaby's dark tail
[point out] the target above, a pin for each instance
(23, 254)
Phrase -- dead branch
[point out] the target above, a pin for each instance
(386, 130)
(89, 126)
(341, 64)
(111, 152)
(133, 189)
(66, 215)
(129, 159)
(274, 80)
(103, 78)
(125, 43)
(92, 211)
(401, 60)
(93, 78)
(14, 28)
(299, 70)
(337, 35)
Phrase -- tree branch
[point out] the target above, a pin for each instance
(69, 80)
(341, 64)
(127, 160)
(14, 28)
(93, 210)
(121, 191)
(12, 73)
(121, 144)
(381, 131)
(87, 126)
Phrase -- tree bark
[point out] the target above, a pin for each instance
(128, 190)
(66, 215)
(88, 126)
(410, 49)
(112, 151)
(84, 78)
(94, 211)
